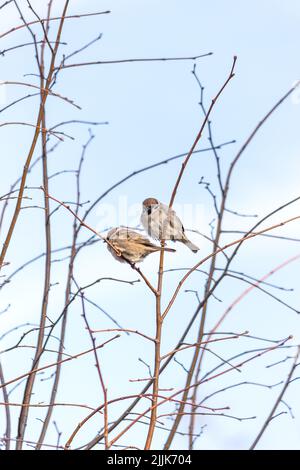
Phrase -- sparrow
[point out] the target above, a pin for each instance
(130, 245)
(162, 223)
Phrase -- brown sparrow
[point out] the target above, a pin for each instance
(162, 223)
(130, 245)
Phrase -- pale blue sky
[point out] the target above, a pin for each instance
(153, 113)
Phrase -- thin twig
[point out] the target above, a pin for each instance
(277, 402)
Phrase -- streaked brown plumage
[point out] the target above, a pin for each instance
(131, 245)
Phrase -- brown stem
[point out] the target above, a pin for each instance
(157, 359)
(63, 17)
(29, 384)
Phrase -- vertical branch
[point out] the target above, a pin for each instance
(7, 410)
(39, 348)
(157, 360)
(199, 135)
(269, 418)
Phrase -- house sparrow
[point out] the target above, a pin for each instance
(162, 223)
(131, 245)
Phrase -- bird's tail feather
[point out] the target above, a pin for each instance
(190, 245)
(169, 249)
(158, 248)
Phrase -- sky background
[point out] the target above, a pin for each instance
(153, 113)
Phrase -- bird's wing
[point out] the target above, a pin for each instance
(175, 223)
(138, 238)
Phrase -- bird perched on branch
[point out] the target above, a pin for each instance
(130, 245)
(162, 223)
